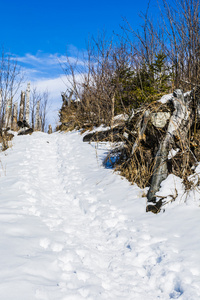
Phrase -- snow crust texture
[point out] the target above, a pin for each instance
(73, 230)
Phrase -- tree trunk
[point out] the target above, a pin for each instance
(50, 130)
(178, 127)
(15, 113)
(22, 105)
(37, 120)
(8, 113)
(27, 113)
(1, 102)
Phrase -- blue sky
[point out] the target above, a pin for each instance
(40, 32)
(51, 26)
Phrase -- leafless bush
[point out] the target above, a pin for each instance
(98, 83)
(176, 34)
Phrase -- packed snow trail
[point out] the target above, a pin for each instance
(71, 229)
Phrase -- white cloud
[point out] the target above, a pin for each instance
(28, 58)
(45, 73)
(46, 65)
(54, 85)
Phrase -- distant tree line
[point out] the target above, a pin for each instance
(32, 106)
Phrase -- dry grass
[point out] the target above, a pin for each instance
(139, 167)
(5, 138)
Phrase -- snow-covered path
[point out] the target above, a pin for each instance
(71, 229)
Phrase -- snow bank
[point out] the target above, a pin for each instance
(71, 229)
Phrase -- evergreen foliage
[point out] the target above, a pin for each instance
(134, 88)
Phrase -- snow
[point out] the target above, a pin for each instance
(72, 229)
(172, 153)
(164, 99)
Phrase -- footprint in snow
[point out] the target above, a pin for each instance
(57, 247)
(44, 243)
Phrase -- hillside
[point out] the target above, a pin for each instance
(72, 230)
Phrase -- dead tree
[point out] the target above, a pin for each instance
(50, 130)
(179, 125)
(8, 114)
(164, 126)
(37, 119)
(67, 99)
(15, 114)
(44, 105)
(1, 102)
(27, 112)
(22, 106)
(10, 81)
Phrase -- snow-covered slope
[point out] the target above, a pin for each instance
(71, 229)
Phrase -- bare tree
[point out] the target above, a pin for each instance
(35, 97)
(11, 78)
(27, 109)
(39, 101)
(44, 110)
(97, 81)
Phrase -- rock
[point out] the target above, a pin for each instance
(23, 124)
(25, 132)
(159, 119)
